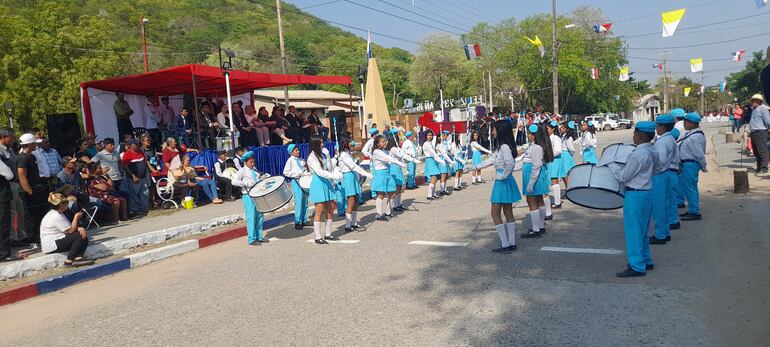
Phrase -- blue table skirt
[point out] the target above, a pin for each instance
(270, 159)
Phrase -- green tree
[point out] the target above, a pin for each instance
(743, 84)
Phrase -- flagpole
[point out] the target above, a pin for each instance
(554, 62)
(283, 52)
(703, 91)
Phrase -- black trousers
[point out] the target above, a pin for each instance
(759, 142)
(5, 228)
(73, 244)
(35, 208)
(125, 127)
(226, 187)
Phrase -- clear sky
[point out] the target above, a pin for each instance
(723, 26)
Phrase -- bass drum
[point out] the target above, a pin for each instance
(270, 194)
(616, 153)
(304, 182)
(595, 187)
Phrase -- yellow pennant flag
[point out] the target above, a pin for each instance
(623, 76)
(687, 91)
(696, 64)
(537, 43)
(671, 21)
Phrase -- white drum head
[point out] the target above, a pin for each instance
(594, 187)
(617, 153)
(266, 186)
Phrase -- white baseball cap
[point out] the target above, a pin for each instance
(27, 139)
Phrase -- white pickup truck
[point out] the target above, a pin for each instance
(609, 121)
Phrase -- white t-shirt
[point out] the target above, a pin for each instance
(51, 229)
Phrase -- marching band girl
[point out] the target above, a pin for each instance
(535, 178)
(411, 167)
(350, 185)
(321, 189)
(367, 149)
(395, 170)
(294, 170)
(568, 137)
(443, 150)
(555, 168)
(505, 191)
(588, 142)
(476, 150)
(456, 152)
(383, 183)
(433, 162)
(246, 178)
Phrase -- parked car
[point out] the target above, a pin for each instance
(602, 122)
(622, 123)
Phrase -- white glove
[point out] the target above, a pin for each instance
(337, 176)
(264, 176)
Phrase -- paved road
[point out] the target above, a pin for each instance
(709, 286)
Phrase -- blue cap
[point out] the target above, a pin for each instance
(646, 127)
(247, 155)
(665, 119)
(373, 131)
(571, 124)
(533, 128)
(675, 133)
(394, 131)
(290, 148)
(692, 117)
(446, 132)
(677, 112)
(554, 123)
(408, 133)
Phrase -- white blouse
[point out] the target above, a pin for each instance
(568, 144)
(429, 150)
(347, 164)
(503, 161)
(245, 179)
(476, 146)
(382, 160)
(319, 168)
(294, 168)
(534, 155)
(556, 145)
(588, 140)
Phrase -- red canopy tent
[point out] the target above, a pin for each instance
(198, 80)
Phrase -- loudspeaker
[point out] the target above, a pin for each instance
(63, 132)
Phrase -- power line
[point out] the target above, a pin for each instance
(420, 15)
(476, 10)
(699, 44)
(463, 16)
(727, 21)
(321, 4)
(403, 18)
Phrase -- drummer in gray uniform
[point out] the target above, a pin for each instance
(664, 179)
(246, 178)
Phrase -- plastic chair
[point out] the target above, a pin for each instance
(165, 192)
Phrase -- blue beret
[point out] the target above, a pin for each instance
(590, 123)
(373, 131)
(571, 124)
(554, 123)
(692, 117)
(247, 155)
(677, 112)
(665, 119)
(290, 148)
(646, 127)
(675, 133)
(533, 128)
(394, 131)
(446, 132)
(408, 133)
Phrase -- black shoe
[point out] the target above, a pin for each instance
(629, 272)
(542, 231)
(298, 226)
(668, 238)
(474, 183)
(380, 218)
(431, 198)
(264, 241)
(674, 226)
(321, 242)
(556, 207)
(684, 214)
(531, 234)
(447, 193)
(680, 206)
(331, 238)
(356, 226)
(257, 243)
(482, 181)
(437, 196)
(649, 267)
(692, 216)
(399, 209)
(549, 217)
(656, 241)
(504, 250)
(347, 230)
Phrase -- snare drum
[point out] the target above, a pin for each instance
(616, 153)
(304, 182)
(595, 187)
(270, 194)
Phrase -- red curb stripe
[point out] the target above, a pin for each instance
(17, 294)
(226, 235)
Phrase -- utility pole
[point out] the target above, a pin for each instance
(554, 61)
(665, 80)
(144, 45)
(283, 52)
(703, 91)
(491, 106)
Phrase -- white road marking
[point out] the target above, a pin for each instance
(582, 250)
(439, 243)
(273, 239)
(338, 241)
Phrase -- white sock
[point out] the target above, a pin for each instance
(547, 202)
(542, 217)
(535, 218)
(503, 236)
(355, 217)
(431, 189)
(328, 227)
(556, 189)
(387, 205)
(460, 181)
(511, 233)
(348, 220)
(317, 230)
(443, 186)
(457, 181)
(398, 200)
(378, 204)
(473, 178)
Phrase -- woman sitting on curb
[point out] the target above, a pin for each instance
(58, 235)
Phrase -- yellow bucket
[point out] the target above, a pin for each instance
(188, 202)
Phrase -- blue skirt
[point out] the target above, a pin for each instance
(476, 158)
(431, 168)
(589, 156)
(350, 184)
(541, 185)
(459, 165)
(567, 163)
(321, 190)
(554, 167)
(397, 174)
(443, 168)
(505, 191)
(383, 182)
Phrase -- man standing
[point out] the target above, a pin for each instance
(123, 114)
(6, 196)
(136, 173)
(109, 160)
(34, 192)
(166, 114)
(692, 153)
(759, 125)
(45, 154)
(152, 118)
(663, 179)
